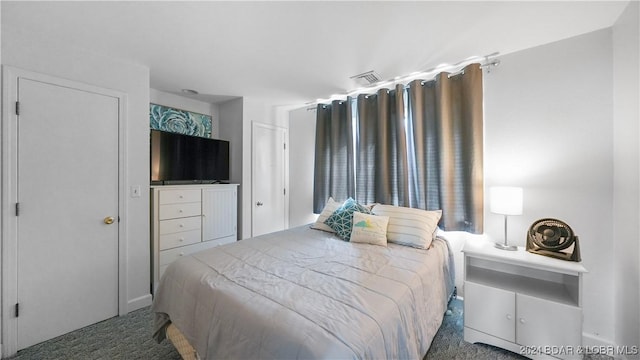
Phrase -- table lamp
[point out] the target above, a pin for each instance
(505, 200)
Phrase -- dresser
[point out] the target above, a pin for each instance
(189, 218)
(526, 303)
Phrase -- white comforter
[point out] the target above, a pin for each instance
(304, 293)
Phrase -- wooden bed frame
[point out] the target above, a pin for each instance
(187, 352)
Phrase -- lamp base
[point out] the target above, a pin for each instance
(502, 246)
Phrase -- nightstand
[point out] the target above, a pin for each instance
(523, 302)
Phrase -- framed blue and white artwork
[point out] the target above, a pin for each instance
(179, 121)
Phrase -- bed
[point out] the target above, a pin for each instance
(305, 293)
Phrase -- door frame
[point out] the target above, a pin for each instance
(8, 220)
(285, 165)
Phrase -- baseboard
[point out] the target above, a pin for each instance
(595, 340)
(139, 302)
(599, 345)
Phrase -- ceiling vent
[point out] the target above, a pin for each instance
(366, 78)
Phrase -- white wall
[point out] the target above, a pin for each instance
(549, 129)
(262, 111)
(236, 118)
(230, 113)
(184, 103)
(626, 162)
(132, 79)
(302, 126)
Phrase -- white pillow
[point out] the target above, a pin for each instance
(408, 226)
(329, 208)
(369, 229)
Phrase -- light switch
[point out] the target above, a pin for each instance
(135, 191)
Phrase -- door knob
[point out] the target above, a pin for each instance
(259, 203)
(109, 220)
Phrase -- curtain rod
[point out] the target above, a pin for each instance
(457, 69)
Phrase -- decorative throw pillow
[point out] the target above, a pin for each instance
(409, 226)
(329, 208)
(342, 219)
(369, 229)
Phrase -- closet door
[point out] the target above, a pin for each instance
(67, 225)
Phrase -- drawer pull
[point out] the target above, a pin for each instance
(180, 211)
(181, 254)
(180, 196)
(509, 317)
(181, 239)
(181, 225)
(522, 321)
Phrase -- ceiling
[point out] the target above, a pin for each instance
(295, 52)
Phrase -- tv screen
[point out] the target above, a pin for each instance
(177, 158)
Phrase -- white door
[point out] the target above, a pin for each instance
(67, 190)
(268, 179)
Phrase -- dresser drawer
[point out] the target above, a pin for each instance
(223, 241)
(180, 225)
(162, 269)
(172, 211)
(176, 196)
(171, 255)
(169, 241)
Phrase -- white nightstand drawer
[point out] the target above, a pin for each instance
(172, 211)
(179, 196)
(169, 241)
(171, 255)
(180, 225)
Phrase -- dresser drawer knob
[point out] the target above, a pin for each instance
(180, 211)
(181, 239)
(181, 225)
(181, 254)
(509, 317)
(522, 321)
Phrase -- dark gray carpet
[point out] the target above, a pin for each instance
(126, 337)
(129, 337)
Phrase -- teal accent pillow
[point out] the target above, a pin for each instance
(342, 219)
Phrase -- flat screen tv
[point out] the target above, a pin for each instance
(185, 159)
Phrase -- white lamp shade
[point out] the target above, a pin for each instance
(506, 200)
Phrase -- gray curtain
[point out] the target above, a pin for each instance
(446, 118)
(334, 161)
(419, 146)
(381, 143)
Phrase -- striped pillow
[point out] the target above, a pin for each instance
(408, 226)
(329, 208)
